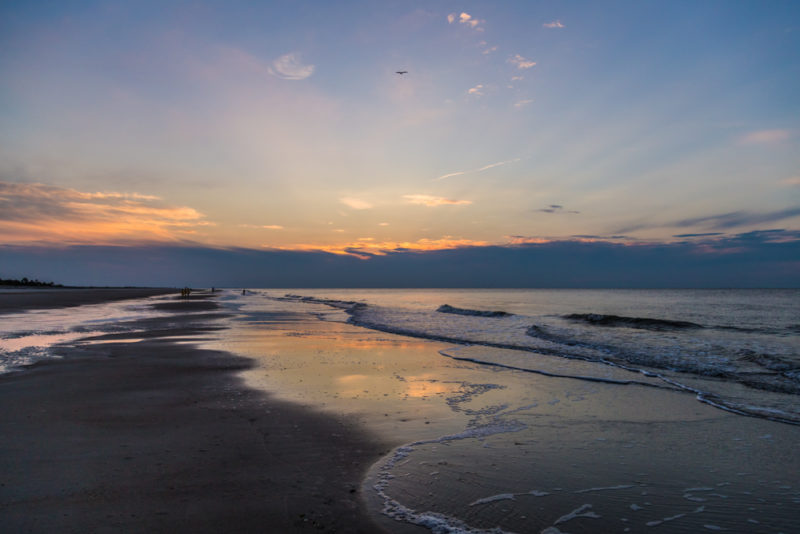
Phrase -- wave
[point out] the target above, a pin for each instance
(644, 323)
(446, 308)
(756, 370)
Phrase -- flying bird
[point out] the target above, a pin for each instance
(401, 72)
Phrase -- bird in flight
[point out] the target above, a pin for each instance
(401, 72)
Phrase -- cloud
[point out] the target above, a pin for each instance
(554, 24)
(721, 221)
(366, 248)
(355, 203)
(481, 169)
(489, 50)
(762, 137)
(790, 182)
(754, 259)
(383, 224)
(467, 19)
(521, 62)
(477, 90)
(522, 103)
(738, 218)
(263, 226)
(705, 234)
(555, 208)
(432, 202)
(291, 67)
(45, 213)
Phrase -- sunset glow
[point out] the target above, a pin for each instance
(365, 129)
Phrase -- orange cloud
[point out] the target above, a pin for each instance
(262, 226)
(44, 213)
(365, 247)
(432, 202)
(355, 203)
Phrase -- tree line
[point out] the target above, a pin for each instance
(27, 282)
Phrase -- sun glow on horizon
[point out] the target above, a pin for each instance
(396, 128)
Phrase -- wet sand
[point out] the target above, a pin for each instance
(19, 299)
(158, 435)
(557, 454)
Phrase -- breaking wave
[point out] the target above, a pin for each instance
(598, 319)
(446, 308)
(711, 362)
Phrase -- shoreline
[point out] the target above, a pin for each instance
(158, 435)
(20, 299)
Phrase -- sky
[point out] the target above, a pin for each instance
(267, 133)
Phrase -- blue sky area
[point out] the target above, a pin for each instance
(531, 136)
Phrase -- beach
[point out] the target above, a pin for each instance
(276, 412)
(153, 435)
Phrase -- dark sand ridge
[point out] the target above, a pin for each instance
(156, 436)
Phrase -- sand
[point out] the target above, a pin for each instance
(14, 300)
(159, 435)
(171, 431)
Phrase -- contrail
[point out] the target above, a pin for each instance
(485, 167)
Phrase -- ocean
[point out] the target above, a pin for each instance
(529, 410)
(736, 349)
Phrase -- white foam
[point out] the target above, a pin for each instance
(605, 488)
(435, 521)
(578, 512)
(665, 520)
(493, 498)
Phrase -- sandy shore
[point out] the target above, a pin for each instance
(14, 300)
(157, 435)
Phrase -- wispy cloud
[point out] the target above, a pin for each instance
(554, 24)
(432, 201)
(790, 182)
(762, 137)
(466, 19)
(738, 218)
(355, 203)
(721, 221)
(262, 226)
(555, 208)
(489, 50)
(522, 103)
(481, 169)
(477, 90)
(291, 67)
(703, 234)
(526, 240)
(45, 213)
(521, 62)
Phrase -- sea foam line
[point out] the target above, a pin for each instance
(436, 522)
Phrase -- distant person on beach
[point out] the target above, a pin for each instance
(243, 291)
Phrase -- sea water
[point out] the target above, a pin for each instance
(585, 410)
(30, 336)
(574, 410)
(738, 349)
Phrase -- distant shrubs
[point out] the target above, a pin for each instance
(27, 283)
